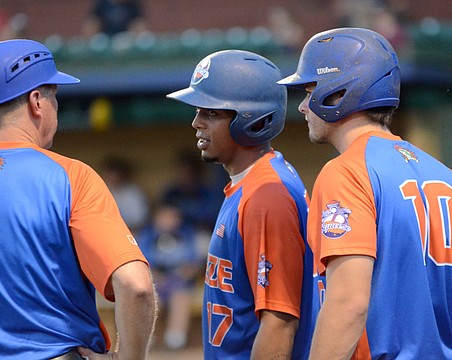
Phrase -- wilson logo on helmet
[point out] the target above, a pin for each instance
(327, 70)
(201, 72)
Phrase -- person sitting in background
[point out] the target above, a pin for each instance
(169, 245)
(188, 190)
(112, 17)
(12, 27)
(132, 200)
(287, 33)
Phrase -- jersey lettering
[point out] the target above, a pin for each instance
(433, 217)
(218, 272)
(216, 336)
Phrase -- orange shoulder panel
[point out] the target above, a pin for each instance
(102, 240)
(342, 213)
(270, 229)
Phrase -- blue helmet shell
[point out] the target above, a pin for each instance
(246, 83)
(26, 65)
(358, 61)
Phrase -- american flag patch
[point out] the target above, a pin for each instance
(220, 231)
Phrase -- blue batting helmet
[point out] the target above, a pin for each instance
(358, 61)
(26, 65)
(245, 83)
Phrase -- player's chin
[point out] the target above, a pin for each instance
(209, 159)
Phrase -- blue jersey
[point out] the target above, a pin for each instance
(387, 199)
(57, 217)
(259, 260)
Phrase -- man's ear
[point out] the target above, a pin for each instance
(35, 102)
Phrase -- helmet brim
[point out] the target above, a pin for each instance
(196, 98)
(61, 78)
(295, 81)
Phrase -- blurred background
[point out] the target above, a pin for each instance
(130, 53)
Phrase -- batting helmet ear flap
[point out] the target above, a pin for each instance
(252, 132)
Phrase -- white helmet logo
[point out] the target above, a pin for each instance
(201, 72)
(327, 70)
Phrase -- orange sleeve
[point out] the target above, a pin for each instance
(269, 225)
(342, 215)
(102, 240)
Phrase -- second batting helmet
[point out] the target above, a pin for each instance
(246, 83)
(26, 65)
(358, 61)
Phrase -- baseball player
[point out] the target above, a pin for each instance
(62, 234)
(380, 216)
(258, 293)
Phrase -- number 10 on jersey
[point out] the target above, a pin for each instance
(433, 217)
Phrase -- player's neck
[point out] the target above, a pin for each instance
(245, 158)
(351, 128)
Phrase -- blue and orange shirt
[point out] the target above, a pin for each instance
(62, 237)
(259, 260)
(389, 200)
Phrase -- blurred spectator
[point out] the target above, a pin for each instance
(169, 244)
(189, 192)
(12, 27)
(134, 207)
(114, 16)
(286, 32)
(354, 13)
(383, 16)
(386, 22)
(132, 201)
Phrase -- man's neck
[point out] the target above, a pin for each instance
(351, 128)
(14, 134)
(246, 157)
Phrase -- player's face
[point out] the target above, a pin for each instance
(319, 130)
(50, 120)
(214, 138)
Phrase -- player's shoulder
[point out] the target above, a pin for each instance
(398, 155)
(344, 165)
(69, 164)
(356, 157)
(270, 170)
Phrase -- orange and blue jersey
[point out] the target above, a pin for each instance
(258, 260)
(62, 237)
(387, 199)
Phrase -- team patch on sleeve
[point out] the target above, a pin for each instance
(406, 154)
(335, 220)
(263, 270)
